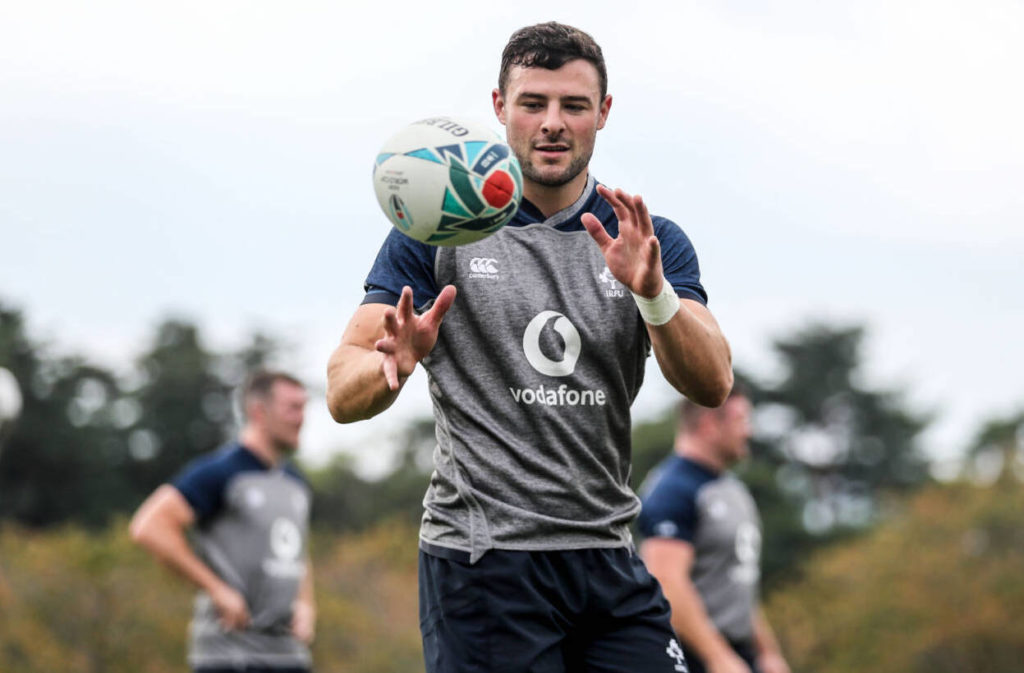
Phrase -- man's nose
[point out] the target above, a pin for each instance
(553, 124)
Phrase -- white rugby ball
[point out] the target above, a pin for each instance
(447, 181)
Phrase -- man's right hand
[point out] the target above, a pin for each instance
(231, 607)
(409, 338)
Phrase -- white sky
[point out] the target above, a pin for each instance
(842, 162)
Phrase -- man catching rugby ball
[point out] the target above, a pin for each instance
(526, 559)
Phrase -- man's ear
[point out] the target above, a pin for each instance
(254, 410)
(606, 106)
(499, 105)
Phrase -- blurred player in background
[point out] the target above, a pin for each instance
(249, 510)
(703, 542)
(526, 558)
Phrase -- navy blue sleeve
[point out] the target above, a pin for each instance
(679, 260)
(202, 482)
(402, 261)
(669, 510)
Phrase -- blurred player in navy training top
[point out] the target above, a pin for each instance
(703, 542)
(249, 511)
(526, 557)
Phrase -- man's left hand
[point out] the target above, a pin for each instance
(634, 256)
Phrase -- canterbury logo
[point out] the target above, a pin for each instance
(570, 337)
(483, 265)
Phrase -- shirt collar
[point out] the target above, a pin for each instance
(530, 214)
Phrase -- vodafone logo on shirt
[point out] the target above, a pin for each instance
(286, 550)
(560, 395)
(570, 336)
(285, 539)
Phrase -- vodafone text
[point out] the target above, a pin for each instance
(561, 396)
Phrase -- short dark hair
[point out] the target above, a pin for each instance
(259, 383)
(551, 45)
(690, 412)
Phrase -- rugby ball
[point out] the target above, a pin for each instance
(447, 181)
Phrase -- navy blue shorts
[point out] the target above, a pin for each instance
(579, 611)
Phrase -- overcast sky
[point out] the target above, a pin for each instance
(852, 163)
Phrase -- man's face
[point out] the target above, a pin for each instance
(552, 118)
(284, 411)
(733, 429)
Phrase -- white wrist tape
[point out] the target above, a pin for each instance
(659, 310)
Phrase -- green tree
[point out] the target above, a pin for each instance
(652, 441)
(85, 448)
(186, 401)
(344, 501)
(828, 448)
(997, 451)
(848, 442)
(56, 463)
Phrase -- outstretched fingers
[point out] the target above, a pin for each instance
(596, 230)
(631, 212)
(444, 301)
(643, 216)
(612, 197)
(651, 276)
(395, 319)
(408, 337)
(388, 345)
(391, 326)
(404, 307)
(634, 255)
(653, 252)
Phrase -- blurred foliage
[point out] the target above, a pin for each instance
(181, 407)
(845, 441)
(368, 601)
(997, 450)
(832, 460)
(345, 501)
(91, 443)
(829, 451)
(109, 439)
(937, 587)
(82, 602)
(74, 601)
(827, 448)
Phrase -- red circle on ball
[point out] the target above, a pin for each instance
(498, 189)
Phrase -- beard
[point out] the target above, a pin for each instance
(285, 444)
(535, 174)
